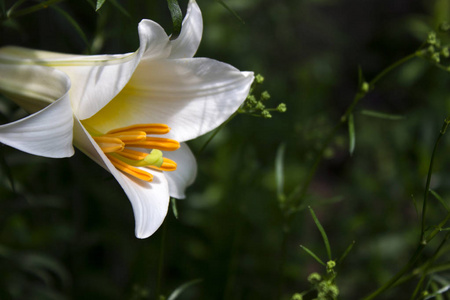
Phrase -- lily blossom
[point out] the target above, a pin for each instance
(131, 113)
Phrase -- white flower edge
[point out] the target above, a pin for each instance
(150, 200)
(49, 131)
(96, 79)
(192, 96)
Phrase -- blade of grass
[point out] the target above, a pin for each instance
(439, 198)
(174, 295)
(313, 255)
(346, 252)
(231, 11)
(74, 25)
(279, 172)
(377, 114)
(322, 232)
(99, 4)
(351, 134)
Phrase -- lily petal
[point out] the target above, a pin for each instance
(49, 131)
(185, 173)
(150, 200)
(33, 87)
(186, 44)
(192, 96)
(96, 79)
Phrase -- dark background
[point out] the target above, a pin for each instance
(67, 228)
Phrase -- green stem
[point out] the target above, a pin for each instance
(296, 198)
(428, 265)
(395, 65)
(11, 14)
(216, 132)
(430, 171)
(359, 95)
(161, 261)
(411, 262)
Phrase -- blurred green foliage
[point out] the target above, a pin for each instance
(67, 228)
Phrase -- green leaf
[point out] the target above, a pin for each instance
(322, 232)
(74, 25)
(279, 172)
(39, 265)
(313, 255)
(351, 134)
(177, 17)
(377, 114)
(439, 198)
(182, 288)
(99, 4)
(173, 201)
(437, 294)
(231, 11)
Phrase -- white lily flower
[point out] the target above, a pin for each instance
(111, 103)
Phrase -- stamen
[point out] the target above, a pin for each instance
(109, 144)
(167, 165)
(128, 136)
(116, 142)
(156, 143)
(148, 128)
(126, 168)
(133, 154)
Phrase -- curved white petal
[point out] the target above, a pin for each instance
(33, 87)
(192, 96)
(150, 200)
(185, 173)
(96, 79)
(47, 132)
(186, 44)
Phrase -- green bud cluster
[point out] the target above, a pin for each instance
(444, 27)
(434, 48)
(323, 286)
(256, 101)
(297, 296)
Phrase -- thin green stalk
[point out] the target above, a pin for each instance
(161, 261)
(300, 194)
(11, 14)
(296, 198)
(430, 171)
(216, 132)
(428, 265)
(411, 262)
(423, 241)
(395, 65)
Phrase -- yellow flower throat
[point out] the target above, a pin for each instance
(116, 145)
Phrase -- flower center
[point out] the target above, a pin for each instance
(116, 145)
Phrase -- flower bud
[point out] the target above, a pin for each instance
(259, 79)
(265, 96)
(281, 107)
(431, 38)
(314, 278)
(266, 114)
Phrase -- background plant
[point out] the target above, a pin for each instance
(62, 236)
